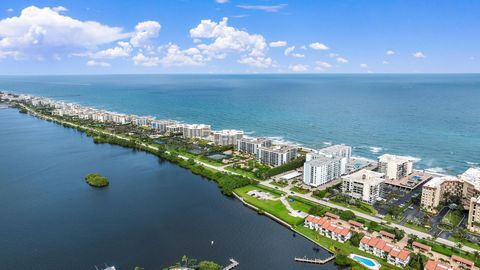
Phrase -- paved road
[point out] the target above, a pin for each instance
(267, 184)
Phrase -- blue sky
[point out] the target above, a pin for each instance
(235, 36)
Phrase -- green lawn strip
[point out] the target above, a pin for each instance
(299, 205)
(464, 242)
(241, 172)
(356, 208)
(449, 251)
(300, 190)
(198, 158)
(276, 208)
(416, 227)
(330, 244)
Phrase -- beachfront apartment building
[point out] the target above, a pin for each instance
(144, 121)
(276, 155)
(227, 137)
(319, 169)
(395, 167)
(386, 250)
(326, 164)
(363, 185)
(174, 129)
(251, 145)
(327, 227)
(466, 186)
(196, 131)
(161, 125)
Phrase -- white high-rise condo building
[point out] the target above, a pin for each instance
(276, 155)
(161, 125)
(363, 185)
(196, 131)
(326, 164)
(395, 167)
(227, 137)
(251, 145)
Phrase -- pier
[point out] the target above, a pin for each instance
(232, 265)
(315, 261)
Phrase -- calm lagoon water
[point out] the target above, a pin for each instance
(152, 213)
(435, 118)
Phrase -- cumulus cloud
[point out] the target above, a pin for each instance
(142, 60)
(144, 32)
(266, 8)
(221, 1)
(333, 55)
(341, 60)
(289, 50)
(323, 64)
(177, 57)
(93, 63)
(59, 9)
(278, 44)
(298, 55)
(364, 66)
(10, 10)
(318, 46)
(122, 50)
(390, 52)
(43, 32)
(298, 68)
(227, 39)
(419, 55)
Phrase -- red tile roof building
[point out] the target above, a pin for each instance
(355, 223)
(383, 249)
(422, 246)
(433, 265)
(461, 261)
(387, 234)
(328, 228)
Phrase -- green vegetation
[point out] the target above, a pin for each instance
(449, 251)
(23, 110)
(274, 207)
(451, 220)
(96, 180)
(292, 165)
(189, 263)
(281, 184)
(300, 190)
(353, 204)
(320, 194)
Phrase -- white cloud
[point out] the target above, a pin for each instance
(41, 33)
(419, 55)
(271, 8)
(122, 50)
(341, 60)
(390, 52)
(141, 59)
(177, 57)
(298, 68)
(318, 46)
(365, 66)
(227, 39)
(261, 62)
(59, 9)
(10, 10)
(303, 47)
(197, 40)
(144, 32)
(289, 50)
(93, 63)
(333, 55)
(221, 1)
(279, 43)
(323, 64)
(298, 55)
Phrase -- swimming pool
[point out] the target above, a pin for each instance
(369, 263)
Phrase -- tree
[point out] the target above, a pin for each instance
(208, 265)
(355, 239)
(347, 215)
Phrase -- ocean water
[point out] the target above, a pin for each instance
(434, 118)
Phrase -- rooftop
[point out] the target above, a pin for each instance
(472, 175)
(365, 175)
(394, 158)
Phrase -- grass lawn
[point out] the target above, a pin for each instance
(300, 190)
(451, 219)
(465, 243)
(416, 227)
(299, 205)
(278, 184)
(199, 158)
(241, 172)
(275, 208)
(370, 211)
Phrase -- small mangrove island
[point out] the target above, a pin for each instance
(96, 180)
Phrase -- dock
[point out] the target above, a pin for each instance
(232, 265)
(314, 261)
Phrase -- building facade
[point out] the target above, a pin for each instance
(363, 185)
(251, 145)
(196, 131)
(276, 155)
(320, 170)
(227, 137)
(395, 167)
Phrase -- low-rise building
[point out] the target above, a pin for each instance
(386, 250)
(227, 137)
(251, 145)
(395, 167)
(433, 265)
(328, 228)
(276, 155)
(363, 185)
